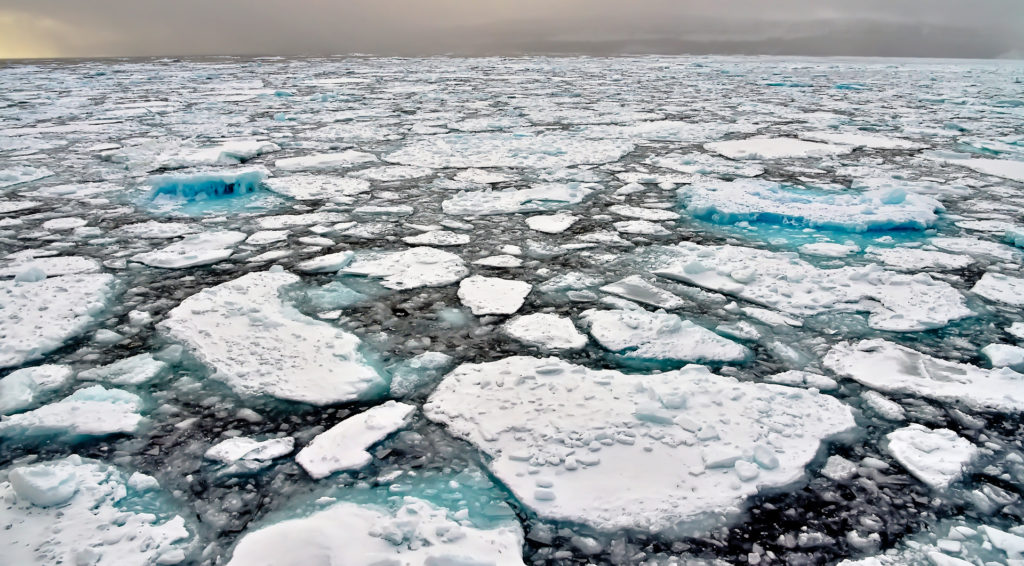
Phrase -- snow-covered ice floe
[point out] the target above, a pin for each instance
(37, 317)
(91, 412)
(80, 511)
(755, 200)
(414, 532)
(492, 295)
(775, 148)
(539, 198)
(313, 187)
(643, 335)
(668, 452)
(344, 446)
(193, 250)
(545, 330)
(20, 389)
(546, 150)
(936, 457)
(259, 345)
(779, 280)
(408, 269)
(892, 368)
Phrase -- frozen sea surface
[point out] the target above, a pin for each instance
(657, 310)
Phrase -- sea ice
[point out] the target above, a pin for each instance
(39, 317)
(641, 228)
(643, 335)
(1000, 288)
(339, 160)
(891, 368)
(416, 533)
(548, 331)
(21, 174)
(230, 152)
(193, 250)
(755, 200)
(135, 370)
(417, 372)
(328, 263)
(551, 223)
(916, 259)
(438, 238)
(410, 269)
(93, 411)
(667, 452)
(539, 198)
(642, 213)
(491, 295)
(543, 151)
(241, 455)
(344, 446)
(20, 389)
(206, 184)
(78, 511)
(314, 187)
(775, 148)
(636, 289)
(860, 139)
(936, 457)
(51, 266)
(779, 280)
(259, 345)
(704, 164)
(1004, 355)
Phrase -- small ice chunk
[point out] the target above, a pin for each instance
(936, 457)
(343, 447)
(491, 295)
(661, 336)
(438, 238)
(546, 331)
(504, 261)
(1004, 355)
(551, 223)
(193, 250)
(539, 198)
(135, 370)
(838, 468)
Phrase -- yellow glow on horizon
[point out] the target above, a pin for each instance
(29, 37)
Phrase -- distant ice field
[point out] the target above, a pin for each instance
(631, 311)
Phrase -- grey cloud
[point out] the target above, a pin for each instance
(977, 28)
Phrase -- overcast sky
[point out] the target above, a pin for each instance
(86, 28)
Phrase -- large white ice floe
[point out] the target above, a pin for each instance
(546, 331)
(193, 250)
(916, 259)
(1000, 288)
(136, 370)
(635, 288)
(673, 451)
(38, 317)
(51, 266)
(22, 174)
(338, 160)
(230, 152)
(756, 200)
(705, 164)
(408, 269)
(539, 198)
(259, 345)
(492, 295)
(79, 511)
(328, 263)
(546, 150)
(779, 280)
(644, 335)
(93, 411)
(936, 457)
(416, 533)
(861, 139)
(313, 187)
(775, 148)
(205, 184)
(20, 389)
(344, 446)
(1005, 168)
(892, 368)
(551, 223)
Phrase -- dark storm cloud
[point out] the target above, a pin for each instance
(972, 28)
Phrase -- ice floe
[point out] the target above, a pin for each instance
(779, 280)
(892, 368)
(93, 411)
(193, 250)
(344, 446)
(42, 315)
(545, 330)
(416, 533)
(241, 455)
(755, 200)
(551, 223)
(775, 148)
(668, 452)
(539, 198)
(408, 269)
(135, 370)
(1000, 288)
(79, 511)
(937, 457)
(314, 187)
(21, 388)
(491, 295)
(643, 335)
(438, 238)
(259, 345)
(338, 160)
(546, 150)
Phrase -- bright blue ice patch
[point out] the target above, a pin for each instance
(206, 185)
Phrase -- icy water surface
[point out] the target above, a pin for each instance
(506, 311)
